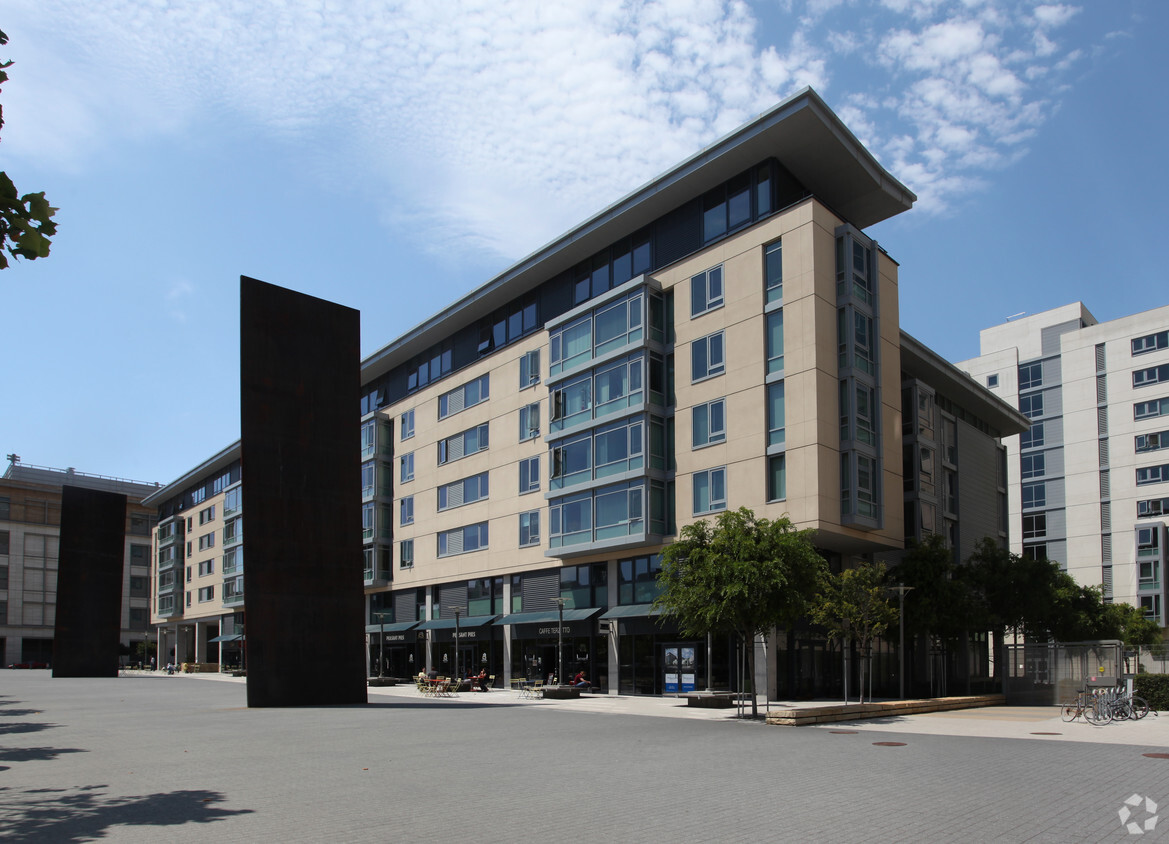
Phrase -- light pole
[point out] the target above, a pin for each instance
(381, 650)
(458, 675)
(560, 643)
(901, 589)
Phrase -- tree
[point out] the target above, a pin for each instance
(855, 605)
(25, 221)
(742, 576)
(941, 603)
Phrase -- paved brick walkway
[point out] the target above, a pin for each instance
(182, 759)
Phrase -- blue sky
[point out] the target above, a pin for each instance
(393, 156)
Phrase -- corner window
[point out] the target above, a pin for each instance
(706, 357)
(706, 291)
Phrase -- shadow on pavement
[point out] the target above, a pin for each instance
(83, 814)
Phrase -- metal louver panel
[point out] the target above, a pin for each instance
(1104, 453)
(1106, 516)
(1100, 357)
(1106, 577)
(1106, 550)
(1102, 421)
(1105, 485)
(1101, 389)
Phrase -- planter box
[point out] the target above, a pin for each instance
(561, 693)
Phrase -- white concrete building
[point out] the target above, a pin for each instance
(1089, 482)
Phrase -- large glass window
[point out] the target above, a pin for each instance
(406, 463)
(777, 477)
(460, 398)
(406, 554)
(608, 450)
(529, 475)
(619, 385)
(463, 491)
(1152, 508)
(1152, 442)
(774, 342)
(1152, 375)
(1034, 495)
(460, 445)
(529, 368)
(710, 490)
(1033, 465)
(530, 421)
(462, 540)
(1031, 406)
(1150, 342)
(709, 423)
(706, 291)
(570, 520)
(776, 414)
(866, 486)
(773, 272)
(637, 580)
(529, 528)
(1032, 437)
(706, 357)
(406, 425)
(619, 511)
(1030, 376)
(1152, 475)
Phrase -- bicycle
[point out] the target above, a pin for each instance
(1091, 706)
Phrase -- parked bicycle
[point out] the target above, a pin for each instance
(1090, 705)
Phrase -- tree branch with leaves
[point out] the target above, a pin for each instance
(26, 222)
(855, 605)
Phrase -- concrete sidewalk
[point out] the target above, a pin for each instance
(183, 759)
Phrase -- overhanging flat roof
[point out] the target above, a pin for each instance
(802, 132)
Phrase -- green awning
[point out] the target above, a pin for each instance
(449, 623)
(547, 617)
(231, 637)
(632, 611)
(396, 627)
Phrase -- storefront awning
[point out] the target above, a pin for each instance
(547, 617)
(231, 637)
(396, 627)
(449, 623)
(632, 611)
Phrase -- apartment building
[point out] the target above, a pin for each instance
(1089, 481)
(197, 587)
(727, 335)
(30, 532)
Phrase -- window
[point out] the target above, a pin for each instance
(139, 554)
(1035, 527)
(206, 567)
(232, 500)
(221, 483)
(406, 425)
(776, 413)
(1148, 541)
(1031, 406)
(467, 442)
(188, 598)
(1150, 343)
(773, 272)
(460, 398)
(207, 515)
(1030, 376)
(1150, 409)
(206, 541)
(706, 357)
(1032, 465)
(406, 507)
(1034, 495)
(619, 510)
(1032, 437)
(992, 381)
(368, 430)
(1152, 442)
(4, 543)
(462, 540)
(777, 477)
(710, 490)
(529, 528)
(710, 423)
(465, 491)
(706, 291)
(570, 520)
(860, 339)
(406, 466)
(774, 340)
(530, 368)
(206, 593)
(1152, 475)
(406, 554)
(198, 495)
(1151, 607)
(637, 580)
(529, 475)
(1152, 375)
(1152, 507)
(530, 421)
(368, 521)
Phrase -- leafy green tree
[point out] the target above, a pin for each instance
(742, 576)
(941, 604)
(855, 605)
(26, 222)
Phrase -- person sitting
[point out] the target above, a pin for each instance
(481, 677)
(580, 681)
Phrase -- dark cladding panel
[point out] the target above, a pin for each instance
(300, 373)
(90, 569)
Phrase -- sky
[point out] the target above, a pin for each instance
(393, 156)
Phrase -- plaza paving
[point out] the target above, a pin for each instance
(182, 758)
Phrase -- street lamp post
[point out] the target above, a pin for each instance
(458, 675)
(901, 589)
(381, 651)
(560, 643)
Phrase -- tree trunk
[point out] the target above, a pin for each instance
(750, 644)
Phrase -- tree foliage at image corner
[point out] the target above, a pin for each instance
(26, 222)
